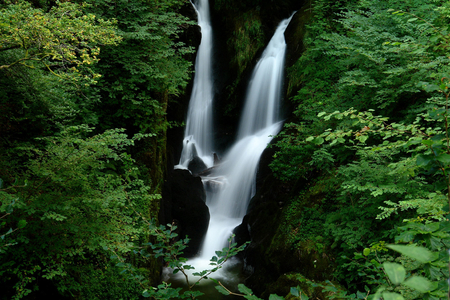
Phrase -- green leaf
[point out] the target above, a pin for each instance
(405, 237)
(366, 251)
(275, 297)
(9, 208)
(431, 227)
(395, 272)
(429, 87)
(244, 290)
(424, 160)
(21, 224)
(222, 290)
(362, 138)
(418, 253)
(294, 292)
(377, 295)
(432, 271)
(420, 284)
(318, 140)
(392, 296)
(427, 142)
(361, 295)
(444, 158)
(439, 137)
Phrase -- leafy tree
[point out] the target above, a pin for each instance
(63, 39)
(74, 199)
(46, 60)
(148, 68)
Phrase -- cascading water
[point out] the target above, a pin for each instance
(198, 133)
(261, 108)
(259, 122)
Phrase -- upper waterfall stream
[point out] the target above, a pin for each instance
(198, 137)
(234, 178)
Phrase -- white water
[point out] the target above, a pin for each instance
(263, 95)
(198, 133)
(234, 179)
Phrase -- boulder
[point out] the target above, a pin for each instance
(183, 204)
(196, 165)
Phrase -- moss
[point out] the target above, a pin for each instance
(298, 243)
(247, 40)
(295, 34)
(286, 227)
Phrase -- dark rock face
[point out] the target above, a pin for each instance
(270, 255)
(196, 165)
(184, 205)
(260, 226)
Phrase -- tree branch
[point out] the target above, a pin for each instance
(10, 48)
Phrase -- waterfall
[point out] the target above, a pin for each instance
(235, 176)
(261, 108)
(259, 122)
(198, 133)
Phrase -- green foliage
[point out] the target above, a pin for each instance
(430, 278)
(247, 39)
(386, 169)
(168, 247)
(303, 222)
(364, 73)
(70, 196)
(405, 140)
(72, 200)
(147, 68)
(106, 281)
(397, 139)
(62, 39)
(246, 293)
(37, 92)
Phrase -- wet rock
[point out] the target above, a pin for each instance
(216, 159)
(196, 165)
(214, 184)
(207, 172)
(270, 253)
(183, 203)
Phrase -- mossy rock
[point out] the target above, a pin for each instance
(278, 219)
